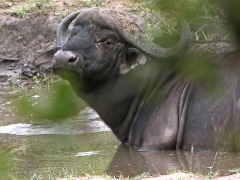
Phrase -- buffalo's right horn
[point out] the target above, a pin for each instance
(62, 36)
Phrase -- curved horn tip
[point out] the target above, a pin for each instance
(61, 35)
(186, 36)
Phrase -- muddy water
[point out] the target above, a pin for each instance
(83, 144)
(77, 146)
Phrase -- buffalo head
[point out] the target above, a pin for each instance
(103, 44)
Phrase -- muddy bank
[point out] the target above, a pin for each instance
(22, 39)
(27, 37)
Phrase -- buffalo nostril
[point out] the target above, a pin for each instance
(72, 59)
(64, 57)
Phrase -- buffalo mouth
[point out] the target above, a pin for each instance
(69, 75)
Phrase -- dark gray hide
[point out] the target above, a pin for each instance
(135, 87)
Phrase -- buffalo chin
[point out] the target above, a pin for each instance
(68, 75)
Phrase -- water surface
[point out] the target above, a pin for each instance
(76, 146)
(83, 144)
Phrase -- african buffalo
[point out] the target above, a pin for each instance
(136, 88)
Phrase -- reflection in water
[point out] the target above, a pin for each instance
(67, 128)
(129, 162)
(89, 153)
(87, 121)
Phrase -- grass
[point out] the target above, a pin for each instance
(210, 175)
(40, 7)
(233, 171)
(175, 171)
(89, 3)
(48, 173)
(20, 12)
(92, 3)
(144, 175)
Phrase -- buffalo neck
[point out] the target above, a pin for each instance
(126, 103)
(115, 102)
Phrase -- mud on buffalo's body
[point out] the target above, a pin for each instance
(135, 87)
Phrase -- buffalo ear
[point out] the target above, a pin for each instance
(134, 57)
(45, 59)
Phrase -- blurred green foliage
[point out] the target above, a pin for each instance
(5, 165)
(58, 103)
(233, 7)
(208, 19)
(201, 70)
(202, 7)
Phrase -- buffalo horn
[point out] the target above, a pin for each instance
(151, 48)
(62, 36)
(184, 41)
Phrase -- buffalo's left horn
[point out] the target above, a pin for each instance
(147, 46)
(62, 36)
(183, 42)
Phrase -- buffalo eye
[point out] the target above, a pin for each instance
(108, 43)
